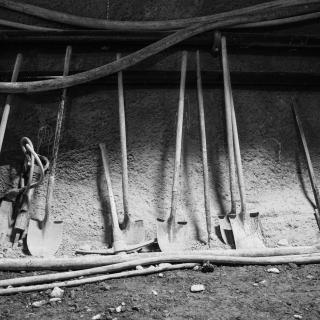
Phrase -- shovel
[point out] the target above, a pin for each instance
(134, 230)
(44, 237)
(170, 230)
(6, 209)
(119, 244)
(245, 227)
(303, 140)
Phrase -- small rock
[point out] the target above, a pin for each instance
(160, 275)
(292, 265)
(97, 317)
(111, 310)
(273, 270)
(155, 292)
(196, 268)
(207, 267)
(55, 300)
(9, 287)
(105, 287)
(118, 309)
(85, 247)
(123, 303)
(72, 294)
(56, 293)
(263, 282)
(297, 316)
(135, 308)
(164, 265)
(197, 288)
(310, 277)
(38, 304)
(256, 284)
(139, 267)
(283, 243)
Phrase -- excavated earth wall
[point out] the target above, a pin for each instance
(275, 174)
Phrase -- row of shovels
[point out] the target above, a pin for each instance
(239, 230)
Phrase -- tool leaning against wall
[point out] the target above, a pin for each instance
(45, 235)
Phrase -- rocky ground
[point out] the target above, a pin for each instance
(234, 293)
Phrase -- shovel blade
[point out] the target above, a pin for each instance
(171, 237)
(249, 236)
(226, 231)
(44, 241)
(5, 218)
(135, 234)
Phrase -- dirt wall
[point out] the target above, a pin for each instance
(276, 176)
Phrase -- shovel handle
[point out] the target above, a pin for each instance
(203, 147)
(118, 242)
(177, 161)
(123, 140)
(57, 135)
(236, 144)
(308, 159)
(228, 111)
(7, 106)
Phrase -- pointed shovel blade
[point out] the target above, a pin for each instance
(135, 234)
(44, 241)
(171, 236)
(247, 236)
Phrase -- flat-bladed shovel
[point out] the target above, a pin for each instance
(245, 226)
(134, 229)
(44, 237)
(170, 229)
(119, 243)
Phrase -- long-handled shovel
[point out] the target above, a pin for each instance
(170, 230)
(246, 227)
(6, 209)
(44, 237)
(204, 148)
(303, 140)
(134, 230)
(119, 244)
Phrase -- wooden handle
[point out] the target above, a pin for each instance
(7, 107)
(228, 110)
(123, 140)
(177, 161)
(118, 242)
(308, 159)
(236, 144)
(204, 147)
(56, 143)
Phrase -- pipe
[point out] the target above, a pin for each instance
(71, 283)
(94, 23)
(29, 264)
(177, 258)
(17, 25)
(261, 24)
(217, 22)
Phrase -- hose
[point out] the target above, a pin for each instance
(124, 274)
(29, 264)
(216, 22)
(178, 258)
(168, 25)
